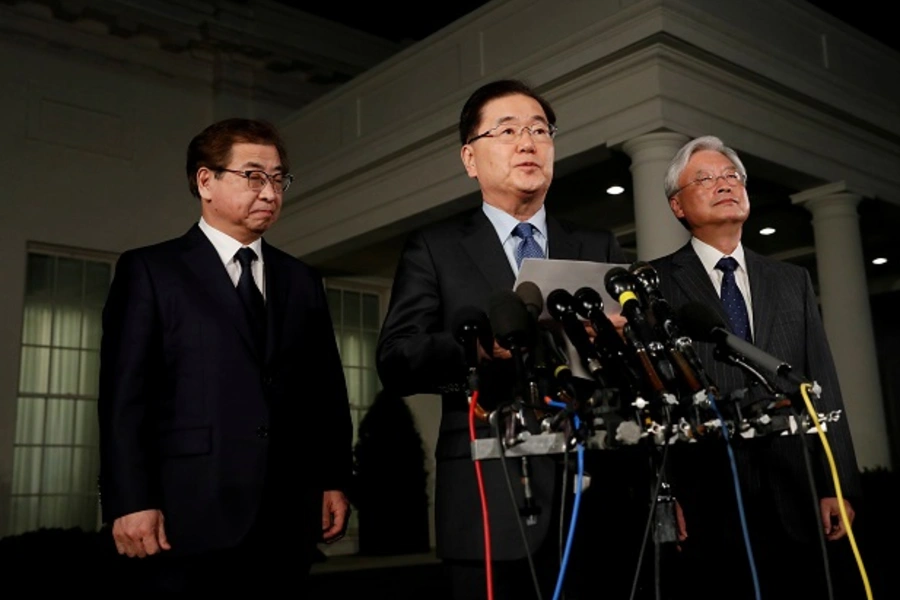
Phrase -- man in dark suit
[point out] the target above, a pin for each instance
(225, 431)
(506, 131)
(705, 185)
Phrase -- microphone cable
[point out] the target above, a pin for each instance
(804, 390)
(576, 506)
(739, 495)
(473, 402)
(515, 505)
(650, 518)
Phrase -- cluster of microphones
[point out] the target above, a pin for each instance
(638, 381)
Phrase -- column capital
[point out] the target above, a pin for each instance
(830, 194)
(666, 143)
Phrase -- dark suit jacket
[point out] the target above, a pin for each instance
(443, 269)
(787, 325)
(195, 420)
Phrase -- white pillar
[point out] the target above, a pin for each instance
(658, 232)
(847, 316)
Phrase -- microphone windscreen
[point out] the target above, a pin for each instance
(699, 321)
(531, 295)
(509, 318)
(468, 317)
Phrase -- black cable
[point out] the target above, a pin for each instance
(512, 497)
(815, 498)
(650, 519)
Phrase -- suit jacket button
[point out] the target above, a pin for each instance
(262, 431)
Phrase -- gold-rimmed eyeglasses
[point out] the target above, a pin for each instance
(257, 179)
(707, 182)
(507, 133)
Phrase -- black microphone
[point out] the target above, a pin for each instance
(610, 345)
(703, 324)
(471, 327)
(679, 346)
(514, 331)
(561, 306)
(546, 359)
(623, 286)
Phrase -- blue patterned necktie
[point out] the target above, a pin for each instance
(528, 247)
(733, 300)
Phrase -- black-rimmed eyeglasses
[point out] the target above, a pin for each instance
(257, 179)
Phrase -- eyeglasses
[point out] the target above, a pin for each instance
(541, 133)
(257, 180)
(708, 182)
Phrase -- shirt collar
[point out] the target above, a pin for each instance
(225, 245)
(504, 222)
(709, 256)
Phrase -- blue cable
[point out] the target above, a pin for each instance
(740, 501)
(575, 507)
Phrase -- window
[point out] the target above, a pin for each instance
(55, 449)
(356, 313)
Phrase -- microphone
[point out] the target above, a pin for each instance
(680, 347)
(705, 325)
(561, 306)
(471, 328)
(612, 348)
(514, 330)
(546, 357)
(623, 286)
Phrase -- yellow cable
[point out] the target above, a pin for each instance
(837, 486)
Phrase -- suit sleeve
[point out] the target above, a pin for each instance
(416, 354)
(130, 369)
(820, 367)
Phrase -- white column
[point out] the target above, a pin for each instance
(658, 231)
(847, 316)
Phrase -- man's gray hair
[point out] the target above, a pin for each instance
(683, 156)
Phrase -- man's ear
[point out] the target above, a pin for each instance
(204, 179)
(468, 159)
(675, 205)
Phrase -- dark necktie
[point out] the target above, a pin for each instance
(733, 300)
(250, 295)
(528, 247)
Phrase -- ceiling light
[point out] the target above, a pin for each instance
(767, 231)
(615, 190)
(879, 261)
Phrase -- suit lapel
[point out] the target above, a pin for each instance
(693, 280)
(201, 258)
(276, 298)
(479, 240)
(562, 245)
(760, 298)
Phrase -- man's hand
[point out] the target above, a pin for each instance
(832, 521)
(140, 534)
(497, 351)
(335, 515)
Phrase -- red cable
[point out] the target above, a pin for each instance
(473, 402)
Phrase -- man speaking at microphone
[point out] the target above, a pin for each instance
(772, 305)
(506, 132)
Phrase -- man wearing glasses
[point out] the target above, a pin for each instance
(506, 131)
(210, 468)
(772, 305)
